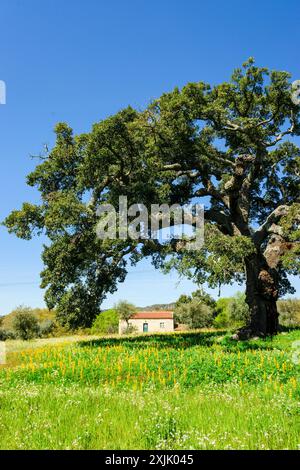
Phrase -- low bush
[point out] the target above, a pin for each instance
(231, 312)
(47, 328)
(289, 312)
(129, 329)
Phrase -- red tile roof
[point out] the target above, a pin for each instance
(153, 315)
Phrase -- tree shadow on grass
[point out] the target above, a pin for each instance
(185, 340)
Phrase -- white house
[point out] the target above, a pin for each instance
(149, 322)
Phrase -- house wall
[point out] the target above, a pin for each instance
(153, 325)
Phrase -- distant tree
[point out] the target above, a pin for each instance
(47, 327)
(194, 313)
(231, 312)
(129, 329)
(25, 324)
(289, 312)
(231, 146)
(200, 295)
(125, 310)
(106, 322)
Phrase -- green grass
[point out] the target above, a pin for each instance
(194, 390)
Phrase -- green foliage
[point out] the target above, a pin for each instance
(3, 336)
(185, 358)
(199, 295)
(219, 261)
(125, 310)
(289, 312)
(195, 310)
(106, 322)
(169, 391)
(47, 328)
(25, 222)
(222, 319)
(200, 310)
(231, 312)
(227, 144)
(41, 314)
(206, 417)
(129, 330)
(70, 313)
(25, 324)
(194, 313)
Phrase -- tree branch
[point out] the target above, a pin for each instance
(280, 136)
(221, 219)
(263, 231)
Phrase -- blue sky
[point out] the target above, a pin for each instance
(80, 61)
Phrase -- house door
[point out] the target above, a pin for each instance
(145, 327)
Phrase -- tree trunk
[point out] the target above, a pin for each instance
(261, 296)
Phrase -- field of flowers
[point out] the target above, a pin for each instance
(181, 390)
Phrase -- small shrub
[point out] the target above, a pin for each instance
(289, 312)
(6, 334)
(125, 310)
(130, 329)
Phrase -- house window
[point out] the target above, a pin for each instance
(145, 327)
(162, 325)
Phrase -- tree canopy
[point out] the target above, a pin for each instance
(231, 146)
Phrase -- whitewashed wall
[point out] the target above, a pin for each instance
(153, 325)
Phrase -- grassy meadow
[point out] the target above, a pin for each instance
(188, 390)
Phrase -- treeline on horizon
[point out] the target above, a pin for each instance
(199, 310)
